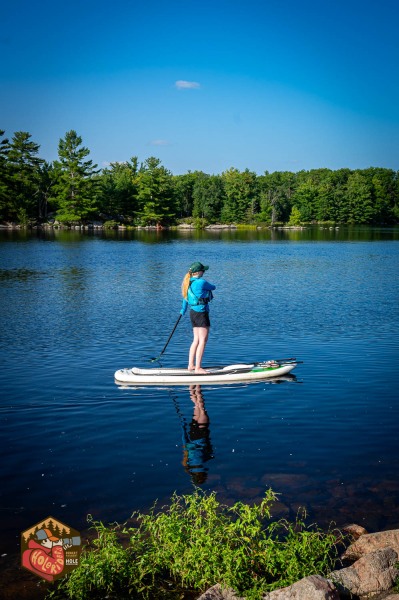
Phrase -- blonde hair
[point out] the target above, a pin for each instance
(185, 284)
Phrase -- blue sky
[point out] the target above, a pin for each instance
(273, 85)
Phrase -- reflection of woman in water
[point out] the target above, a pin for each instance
(197, 444)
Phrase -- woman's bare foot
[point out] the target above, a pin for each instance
(191, 368)
(201, 371)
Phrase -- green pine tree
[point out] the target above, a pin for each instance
(23, 166)
(4, 174)
(156, 193)
(76, 187)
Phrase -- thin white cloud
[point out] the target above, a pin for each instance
(160, 143)
(187, 85)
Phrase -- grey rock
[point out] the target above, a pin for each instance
(372, 541)
(355, 530)
(313, 587)
(372, 574)
(218, 592)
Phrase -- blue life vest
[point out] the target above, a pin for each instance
(195, 300)
(199, 294)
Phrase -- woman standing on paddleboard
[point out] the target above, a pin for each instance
(197, 293)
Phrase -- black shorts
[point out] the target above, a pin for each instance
(199, 319)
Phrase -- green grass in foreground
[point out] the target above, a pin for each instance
(197, 542)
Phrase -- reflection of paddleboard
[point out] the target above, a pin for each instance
(230, 373)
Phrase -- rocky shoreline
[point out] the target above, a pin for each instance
(99, 225)
(372, 572)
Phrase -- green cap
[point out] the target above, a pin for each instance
(197, 266)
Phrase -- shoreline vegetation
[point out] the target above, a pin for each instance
(196, 545)
(72, 192)
(195, 542)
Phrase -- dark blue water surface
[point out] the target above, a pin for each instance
(74, 308)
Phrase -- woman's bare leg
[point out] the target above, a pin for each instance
(202, 335)
(193, 350)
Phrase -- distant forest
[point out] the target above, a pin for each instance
(73, 190)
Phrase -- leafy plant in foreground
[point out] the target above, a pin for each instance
(197, 542)
(106, 567)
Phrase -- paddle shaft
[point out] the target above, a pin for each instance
(169, 338)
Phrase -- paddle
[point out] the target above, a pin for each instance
(169, 338)
(253, 363)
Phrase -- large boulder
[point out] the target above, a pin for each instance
(370, 542)
(313, 587)
(373, 573)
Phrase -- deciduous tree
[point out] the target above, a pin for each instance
(275, 193)
(359, 201)
(119, 190)
(184, 189)
(209, 196)
(240, 194)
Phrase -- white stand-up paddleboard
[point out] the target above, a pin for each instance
(220, 374)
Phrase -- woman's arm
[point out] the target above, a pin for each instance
(208, 286)
(183, 307)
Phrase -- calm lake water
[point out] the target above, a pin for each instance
(74, 308)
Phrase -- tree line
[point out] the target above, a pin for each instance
(72, 189)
